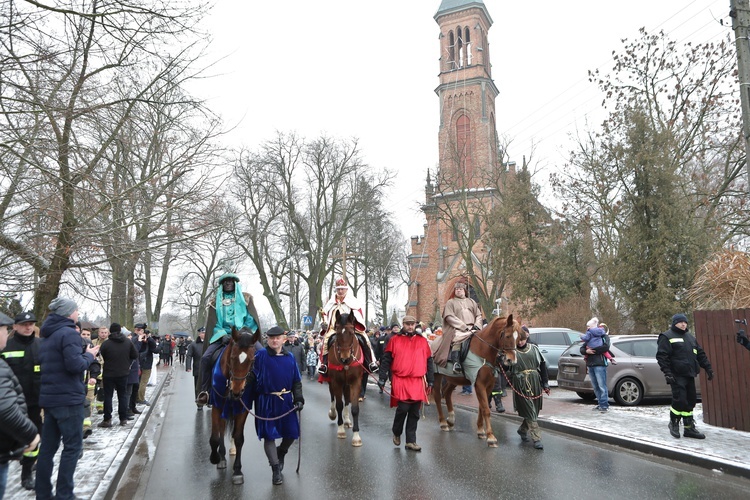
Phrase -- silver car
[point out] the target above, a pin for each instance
(552, 342)
(635, 376)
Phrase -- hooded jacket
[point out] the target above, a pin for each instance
(63, 363)
(118, 354)
(16, 429)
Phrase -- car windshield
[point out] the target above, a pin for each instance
(574, 349)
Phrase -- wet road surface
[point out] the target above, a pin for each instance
(171, 461)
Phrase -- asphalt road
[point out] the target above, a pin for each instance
(171, 461)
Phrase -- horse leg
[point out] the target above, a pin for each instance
(238, 435)
(354, 390)
(451, 420)
(341, 432)
(218, 451)
(332, 409)
(437, 394)
(481, 394)
(483, 389)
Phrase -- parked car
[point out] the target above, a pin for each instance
(552, 342)
(635, 376)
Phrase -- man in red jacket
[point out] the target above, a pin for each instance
(408, 359)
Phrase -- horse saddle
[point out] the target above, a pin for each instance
(217, 355)
(464, 349)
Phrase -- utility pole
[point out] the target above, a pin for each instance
(739, 11)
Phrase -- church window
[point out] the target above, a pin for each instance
(463, 141)
(451, 51)
(467, 41)
(460, 47)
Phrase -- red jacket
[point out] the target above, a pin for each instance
(410, 376)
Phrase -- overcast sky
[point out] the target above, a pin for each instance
(368, 69)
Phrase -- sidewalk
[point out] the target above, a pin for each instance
(642, 428)
(103, 452)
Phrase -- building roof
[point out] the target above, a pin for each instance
(450, 6)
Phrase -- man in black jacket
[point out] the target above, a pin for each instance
(118, 353)
(679, 357)
(22, 355)
(17, 431)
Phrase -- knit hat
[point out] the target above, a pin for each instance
(63, 307)
(115, 328)
(679, 318)
(523, 334)
(593, 322)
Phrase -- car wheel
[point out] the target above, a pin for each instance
(628, 392)
(588, 396)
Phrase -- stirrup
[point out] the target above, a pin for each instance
(202, 399)
(457, 368)
(323, 369)
(374, 367)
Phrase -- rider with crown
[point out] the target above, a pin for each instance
(345, 302)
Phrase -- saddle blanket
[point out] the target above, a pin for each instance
(219, 391)
(471, 366)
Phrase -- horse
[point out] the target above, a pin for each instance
(345, 369)
(231, 399)
(494, 345)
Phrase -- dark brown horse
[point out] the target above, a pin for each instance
(345, 371)
(495, 344)
(231, 399)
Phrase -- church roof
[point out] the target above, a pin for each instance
(450, 6)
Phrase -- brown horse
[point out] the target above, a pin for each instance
(495, 344)
(345, 371)
(231, 399)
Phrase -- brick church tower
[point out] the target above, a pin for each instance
(468, 148)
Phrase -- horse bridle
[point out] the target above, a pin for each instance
(337, 347)
(498, 359)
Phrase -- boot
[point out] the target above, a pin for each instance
(27, 481)
(691, 431)
(278, 477)
(674, 425)
(499, 405)
(367, 354)
(281, 454)
(323, 369)
(105, 423)
(453, 357)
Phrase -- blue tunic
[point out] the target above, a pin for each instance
(275, 373)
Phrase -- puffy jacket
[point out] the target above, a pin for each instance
(22, 355)
(16, 429)
(118, 353)
(63, 363)
(679, 354)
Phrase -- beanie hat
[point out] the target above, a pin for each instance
(593, 322)
(679, 318)
(115, 328)
(62, 306)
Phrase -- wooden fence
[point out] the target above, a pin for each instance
(726, 399)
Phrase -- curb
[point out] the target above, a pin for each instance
(629, 444)
(113, 481)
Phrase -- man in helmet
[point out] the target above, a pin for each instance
(344, 301)
(230, 309)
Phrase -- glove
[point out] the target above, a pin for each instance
(475, 328)
(670, 379)
(545, 388)
(298, 405)
(710, 374)
(741, 337)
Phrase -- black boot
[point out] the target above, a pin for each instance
(499, 405)
(323, 365)
(674, 425)
(281, 454)
(690, 430)
(278, 477)
(27, 481)
(453, 357)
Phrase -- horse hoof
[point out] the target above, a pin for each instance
(240, 479)
(332, 415)
(357, 443)
(232, 451)
(214, 458)
(341, 435)
(222, 464)
(444, 427)
(492, 444)
(481, 435)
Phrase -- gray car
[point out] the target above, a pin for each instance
(635, 376)
(552, 342)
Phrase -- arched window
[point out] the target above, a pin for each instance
(463, 142)
(451, 51)
(460, 43)
(467, 41)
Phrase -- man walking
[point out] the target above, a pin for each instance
(147, 349)
(408, 359)
(118, 353)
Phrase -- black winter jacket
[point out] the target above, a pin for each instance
(16, 429)
(118, 353)
(22, 355)
(679, 354)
